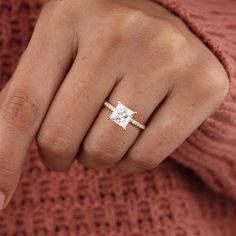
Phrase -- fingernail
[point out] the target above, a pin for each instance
(2, 200)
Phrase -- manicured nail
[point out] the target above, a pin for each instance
(2, 200)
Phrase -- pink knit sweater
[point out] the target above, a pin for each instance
(192, 193)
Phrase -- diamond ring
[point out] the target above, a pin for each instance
(122, 115)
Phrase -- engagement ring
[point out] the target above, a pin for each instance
(122, 115)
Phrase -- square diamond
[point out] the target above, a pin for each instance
(122, 115)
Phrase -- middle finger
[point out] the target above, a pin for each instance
(72, 112)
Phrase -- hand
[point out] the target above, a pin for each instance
(84, 52)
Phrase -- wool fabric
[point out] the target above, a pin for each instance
(192, 193)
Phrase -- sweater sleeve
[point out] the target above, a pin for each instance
(211, 150)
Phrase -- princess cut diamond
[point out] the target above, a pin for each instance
(122, 115)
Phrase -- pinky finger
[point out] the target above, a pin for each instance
(171, 124)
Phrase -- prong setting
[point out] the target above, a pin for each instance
(122, 115)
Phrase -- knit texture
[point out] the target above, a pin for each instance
(211, 150)
(192, 193)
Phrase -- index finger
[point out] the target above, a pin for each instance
(28, 96)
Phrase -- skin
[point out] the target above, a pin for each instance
(83, 52)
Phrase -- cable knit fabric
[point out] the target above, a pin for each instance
(192, 193)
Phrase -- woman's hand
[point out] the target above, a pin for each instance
(84, 52)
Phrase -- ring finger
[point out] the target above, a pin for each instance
(106, 142)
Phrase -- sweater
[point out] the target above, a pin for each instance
(192, 193)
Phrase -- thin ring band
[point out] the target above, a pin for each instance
(132, 121)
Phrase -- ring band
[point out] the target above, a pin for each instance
(122, 115)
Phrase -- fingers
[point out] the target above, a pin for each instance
(180, 114)
(3, 92)
(26, 100)
(73, 111)
(106, 142)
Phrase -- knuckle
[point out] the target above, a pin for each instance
(52, 9)
(219, 82)
(99, 153)
(128, 26)
(171, 41)
(53, 144)
(135, 22)
(143, 161)
(54, 14)
(54, 21)
(214, 84)
(20, 110)
(8, 170)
